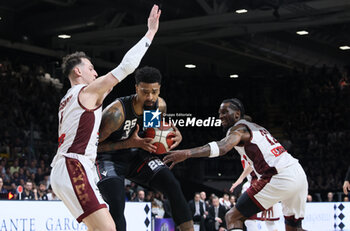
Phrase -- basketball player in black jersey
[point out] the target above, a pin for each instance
(122, 153)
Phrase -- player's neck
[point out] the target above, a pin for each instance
(76, 81)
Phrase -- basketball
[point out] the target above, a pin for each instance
(161, 137)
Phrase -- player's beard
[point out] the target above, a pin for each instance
(148, 106)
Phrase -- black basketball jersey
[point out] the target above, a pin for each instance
(126, 129)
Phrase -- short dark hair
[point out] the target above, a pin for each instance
(236, 104)
(71, 60)
(148, 75)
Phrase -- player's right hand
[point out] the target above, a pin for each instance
(346, 187)
(234, 185)
(153, 19)
(144, 143)
(176, 157)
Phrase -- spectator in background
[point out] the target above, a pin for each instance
(32, 169)
(197, 211)
(216, 217)
(157, 205)
(2, 190)
(225, 201)
(28, 193)
(6, 178)
(15, 178)
(211, 198)
(22, 175)
(15, 167)
(203, 196)
(13, 191)
(149, 196)
(42, 194)
(330, 197)
(39, 176)
(309, 198)
(140, 196)
(232, 201)
(2, 170)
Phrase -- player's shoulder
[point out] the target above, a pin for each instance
(115, 107)
(162, 105)
(237, 128)
(161, 102)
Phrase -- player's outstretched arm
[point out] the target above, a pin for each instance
(240, 179)
(212, 149)
(99, 88)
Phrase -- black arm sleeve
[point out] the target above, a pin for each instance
(347, 177)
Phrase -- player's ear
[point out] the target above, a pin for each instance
(237, 114)
(136, 87)
(77, 71)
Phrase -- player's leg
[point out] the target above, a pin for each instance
(165, 182)
(99, 221)
(153, 173)
(111, 186)
(73, 181)
(294, 207)
(244, 208)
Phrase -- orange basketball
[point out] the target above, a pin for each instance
(161, 137)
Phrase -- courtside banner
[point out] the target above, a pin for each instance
(54, 216)
(320, 216)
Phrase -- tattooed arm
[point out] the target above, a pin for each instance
(112, 119)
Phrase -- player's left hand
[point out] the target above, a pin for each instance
(346, 187)
(235, 184)
(176, 157)
(177, 139)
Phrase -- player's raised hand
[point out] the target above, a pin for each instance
(175, 157)
(177, 137)
(153, 19)
(144, 143)
(346, 187)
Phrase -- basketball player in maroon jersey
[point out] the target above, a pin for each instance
(73, 172)
(281, 176)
